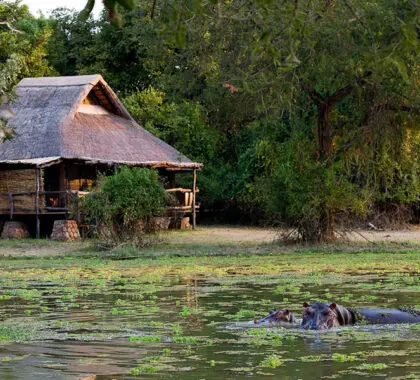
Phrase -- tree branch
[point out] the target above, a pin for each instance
(391, 107)
(8, 26)
(340, 94)
(314, 94)
(152, 12)
(344, 91)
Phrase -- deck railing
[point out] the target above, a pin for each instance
(41, 202)
(185, 199)
(63, 202)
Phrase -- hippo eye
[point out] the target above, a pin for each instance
(326, 312)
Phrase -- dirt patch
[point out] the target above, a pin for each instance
(247, 235)
(223, 235)
(32, 248)
(409, 235)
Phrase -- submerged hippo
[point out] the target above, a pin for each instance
(321, 316)
(277, 317)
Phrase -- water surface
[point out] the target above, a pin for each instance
(85, 321)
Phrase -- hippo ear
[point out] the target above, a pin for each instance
(305, 304)
(333, 305)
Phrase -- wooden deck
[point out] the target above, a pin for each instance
(38, 203)
(60, 202)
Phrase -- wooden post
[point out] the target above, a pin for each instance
(193, 200)
(62, 197)
(38, 222)
(11, 205)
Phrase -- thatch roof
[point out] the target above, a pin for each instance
(81, 118)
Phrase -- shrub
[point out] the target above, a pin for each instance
(124, 204)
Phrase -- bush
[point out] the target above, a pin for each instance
(306, 193)
(124, 204)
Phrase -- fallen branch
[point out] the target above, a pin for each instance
(364, 237)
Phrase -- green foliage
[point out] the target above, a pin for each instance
(182, 125)
(125, 202)
(85, 47)
(22, 52)
(111, 7)
(307, 188)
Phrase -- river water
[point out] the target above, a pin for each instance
(198, 328)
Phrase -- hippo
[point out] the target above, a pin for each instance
(322, 316)
(277, 317)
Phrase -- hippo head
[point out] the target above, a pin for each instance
(276, 317)
(319, 316)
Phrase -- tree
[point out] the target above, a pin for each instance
(22, 52)
(111, 7)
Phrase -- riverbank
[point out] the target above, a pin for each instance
(216, 241)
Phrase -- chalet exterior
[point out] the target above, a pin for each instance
(68, 130)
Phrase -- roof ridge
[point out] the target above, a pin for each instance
(64, 81)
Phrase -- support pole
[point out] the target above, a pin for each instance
(11, 205)
(38, 222)
(193, 200)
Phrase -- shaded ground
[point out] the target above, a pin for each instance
(220, 240)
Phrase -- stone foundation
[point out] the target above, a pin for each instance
(185, 223)
(14, 230)
(65, 230)
(160, 223)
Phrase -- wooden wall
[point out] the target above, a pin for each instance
(19, 181)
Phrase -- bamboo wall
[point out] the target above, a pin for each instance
(20, 181)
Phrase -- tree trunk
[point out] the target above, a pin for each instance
(324, 132)
(325, 135)
(326, 226)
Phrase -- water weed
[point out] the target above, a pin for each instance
(272, 361)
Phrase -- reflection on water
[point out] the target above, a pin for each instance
(191, 329)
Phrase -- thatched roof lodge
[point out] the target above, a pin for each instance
(67, 131)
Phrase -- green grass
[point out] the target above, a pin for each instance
(206, 242)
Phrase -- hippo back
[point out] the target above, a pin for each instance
(345, 316)
(388, 316)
